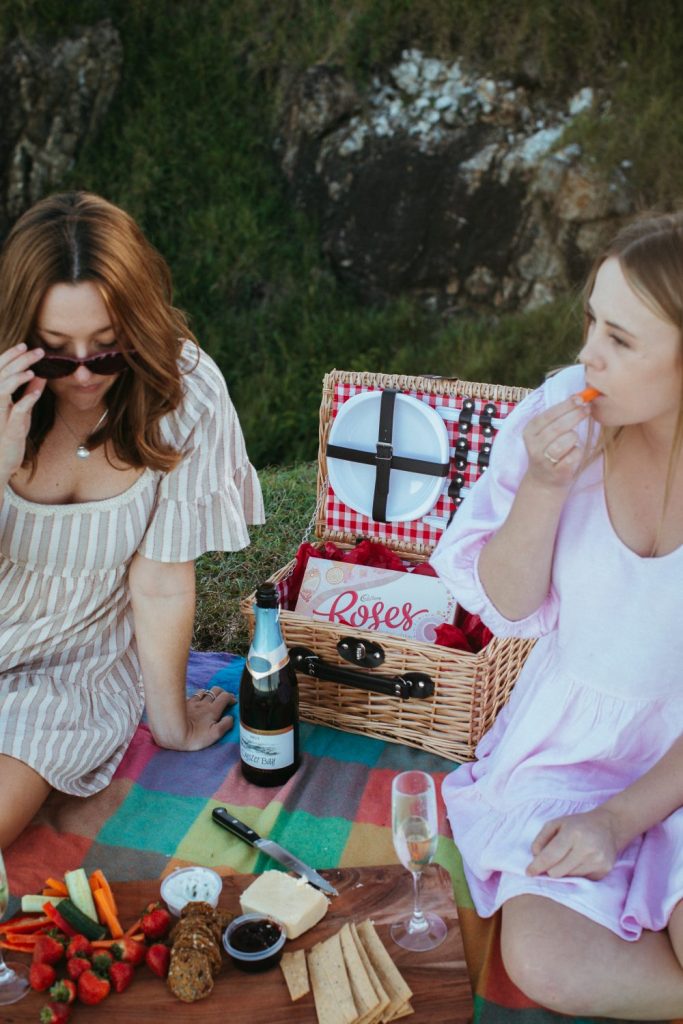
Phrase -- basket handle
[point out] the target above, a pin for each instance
(410, 684)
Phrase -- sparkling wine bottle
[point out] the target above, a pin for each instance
(269, 699)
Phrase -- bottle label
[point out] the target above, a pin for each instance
(267, 751)
(262, 665)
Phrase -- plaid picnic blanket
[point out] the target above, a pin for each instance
(334, 812)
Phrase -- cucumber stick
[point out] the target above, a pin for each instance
(35, 904)
(79, 921)
(80, 893)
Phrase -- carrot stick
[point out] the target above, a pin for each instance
(106, 913)
(133, 928)
(59, 887)
(588, 394)
(47, 891)
(107, 943)
(98, 881)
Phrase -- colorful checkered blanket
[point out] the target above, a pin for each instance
(334, 812)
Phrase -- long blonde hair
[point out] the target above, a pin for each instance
(74, 237)
(650, 254)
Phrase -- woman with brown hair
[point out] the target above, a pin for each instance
(571, 819)
(121, 461)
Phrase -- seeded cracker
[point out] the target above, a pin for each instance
(387, 971)
(293, 967)
(332, 993)
(383, 998)
(364, 995)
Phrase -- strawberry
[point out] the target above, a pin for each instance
(157, 958)
(93, 988)
(64, 991)
(121, 974)
(55, 1013)
(41, 976)
(129, 951)
(102, 961)
(76, 965)
(155, 922)
(78, 946)
(47, 950)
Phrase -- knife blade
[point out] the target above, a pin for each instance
(238, 828)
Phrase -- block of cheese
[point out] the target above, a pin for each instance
(291, 901)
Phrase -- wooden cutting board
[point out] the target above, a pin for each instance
(438, 978)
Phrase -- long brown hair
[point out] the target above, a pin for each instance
(650, 253)
(74, 237)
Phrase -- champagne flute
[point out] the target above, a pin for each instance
(13, 976)
(415, 833)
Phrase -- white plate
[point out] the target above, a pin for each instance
(418, 433)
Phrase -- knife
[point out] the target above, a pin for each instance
(223, 817)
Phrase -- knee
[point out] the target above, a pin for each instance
(542, 974)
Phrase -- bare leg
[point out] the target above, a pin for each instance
(22, 792)
(567, 963)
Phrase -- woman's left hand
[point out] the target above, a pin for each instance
(579, 844)
(207, 722)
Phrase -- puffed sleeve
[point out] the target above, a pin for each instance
(485, 508)
(207, 500)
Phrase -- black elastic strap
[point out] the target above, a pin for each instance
(337, 451)
(384, 455)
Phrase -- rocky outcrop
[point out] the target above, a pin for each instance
(52, 98)
(449, 186)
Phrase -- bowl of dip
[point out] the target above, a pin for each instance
(186, 885)
(254, 942)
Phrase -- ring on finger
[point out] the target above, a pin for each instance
(201, 694)
(549, 457)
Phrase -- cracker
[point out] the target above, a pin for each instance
(382, 996)
(293, 966)
(334, 1003)
(366, 999)
(388, 973)
(189, 977)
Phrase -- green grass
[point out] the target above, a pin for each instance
(224, 579)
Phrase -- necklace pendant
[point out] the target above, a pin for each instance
(82, 452)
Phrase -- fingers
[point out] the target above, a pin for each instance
(552, 854)
(15, 367)
(552, 440)
(206, 712)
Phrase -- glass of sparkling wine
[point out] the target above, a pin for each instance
(415, 832)
(13, 976)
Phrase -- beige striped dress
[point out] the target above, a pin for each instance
(70, 689)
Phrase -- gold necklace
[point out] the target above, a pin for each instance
(82, 452)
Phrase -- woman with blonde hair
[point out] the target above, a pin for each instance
(121, 461)
(570, 818)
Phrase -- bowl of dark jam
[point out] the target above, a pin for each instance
(254, 942)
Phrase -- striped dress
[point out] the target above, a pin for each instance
(70, 688)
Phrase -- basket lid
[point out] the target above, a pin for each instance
(440, 436)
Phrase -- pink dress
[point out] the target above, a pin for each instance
(598, 702)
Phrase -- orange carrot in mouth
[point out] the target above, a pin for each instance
(588, 394)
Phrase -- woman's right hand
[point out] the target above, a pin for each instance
(553, 444)
(15, 417)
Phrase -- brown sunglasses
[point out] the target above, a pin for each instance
(51, 367)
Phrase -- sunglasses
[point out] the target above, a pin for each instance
(105, 364)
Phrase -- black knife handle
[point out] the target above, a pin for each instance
(223, 817)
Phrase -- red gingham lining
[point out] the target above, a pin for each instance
(339, 518)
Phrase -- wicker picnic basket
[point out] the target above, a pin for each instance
(468, 689)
